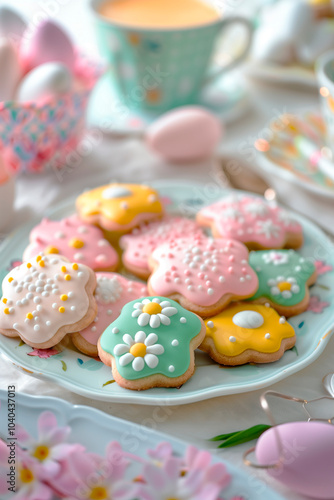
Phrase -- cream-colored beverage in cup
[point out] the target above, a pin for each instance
(159, 13)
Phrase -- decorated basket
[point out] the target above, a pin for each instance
(34, 137)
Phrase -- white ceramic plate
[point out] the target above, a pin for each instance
(286, 75)
(92, 379)
(90, 428)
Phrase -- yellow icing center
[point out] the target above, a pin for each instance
(224, 330)
(98, 493)
(26, 476)
(51, 249)
(138, 350)
(283, 286)
(6, 310)
(41, 453)
(61, 309)
(152, 308)
(75, 243)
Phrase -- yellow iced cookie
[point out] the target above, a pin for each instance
(245, 333)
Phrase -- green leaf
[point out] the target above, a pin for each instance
(109, 382)
(63, 365)
(238, 437)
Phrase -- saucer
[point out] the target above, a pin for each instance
(227, 98)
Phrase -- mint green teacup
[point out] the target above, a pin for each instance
(159, 69)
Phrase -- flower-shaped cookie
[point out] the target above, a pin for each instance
(112, 292)
(284, 278)
(75, 240)
(245, 333)
(142, 356)
(119, 207)
(252, 220)
(45, 299)
(203, 274)
(142, 241)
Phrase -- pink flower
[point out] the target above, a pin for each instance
(50, 448)
(201, 460)
(43, 353)
(90, 476)
(29, 476)
(316, 305)
(322, 267)
(162, 452)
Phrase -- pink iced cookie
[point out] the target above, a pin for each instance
(75, 240)
(250, 219)
(112, 292)
(142, 241)
(201, 273)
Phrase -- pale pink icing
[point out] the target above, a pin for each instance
(143, 240)
(38, 290)
(113, 291)
(251, 219)
(96, 252)
(203, 270)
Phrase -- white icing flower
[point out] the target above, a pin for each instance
(283, 286)
(153, 312)
(108, 290)
(268, 228)
(256, 208)
(285, 218)
(276, 258)
(138, 351)
(231, 213)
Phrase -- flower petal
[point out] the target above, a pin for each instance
(138, 305)
(164, 319)
(169, 311)
(151, 339)
(46, 422)
(146, 301)
(143, 319)
(136, 313)
(138, 364)
(120, 349)
(165, 303)
(140, 337)
(128, 339)
(156, 300)
(151, 360)
(155, 349)
(126, 359)
(155, 321)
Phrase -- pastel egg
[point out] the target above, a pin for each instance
(48, 43)
(46, 82)
(308, 457)
(9, 69)
(184, 134)
(12, 25)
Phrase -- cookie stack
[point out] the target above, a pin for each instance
(203, 290)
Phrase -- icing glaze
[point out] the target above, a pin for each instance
(254, 220)
(282, 275)
(119, 206)
(139, 352)
(38, 299)
(203, 270)
(74, 240)
(231, 339)
(112, 292)
(143, 240)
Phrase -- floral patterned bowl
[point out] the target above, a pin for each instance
(34, 137)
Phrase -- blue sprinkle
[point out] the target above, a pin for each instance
(80, 361)
(301, 324)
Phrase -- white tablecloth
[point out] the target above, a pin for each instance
(128, 159)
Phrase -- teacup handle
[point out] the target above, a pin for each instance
(249, 28)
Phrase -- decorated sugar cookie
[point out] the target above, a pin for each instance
(151, 344)
(245, 333)
(252, 220)
(112, 292)
(284, 280)
(139, 244)
(201, 273)
(119, 207)
(46, 298)
(75, 240)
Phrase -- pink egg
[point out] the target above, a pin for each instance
(184, 134)
(47, 43)
(308, 466)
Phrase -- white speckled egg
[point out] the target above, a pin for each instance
(12, 25)
(47, 43)
(185, 134)
(9, 69)
(46, 82)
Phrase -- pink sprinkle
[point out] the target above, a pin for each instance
(230, 269)
(173, 268)
(244, 270)
(170, 256)
(229, 244)
(200, 276)
(231, 258)
(167, 279)
(101, 258)
(174, 274)
(167, 272)
(208, 283)
(187, 272)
